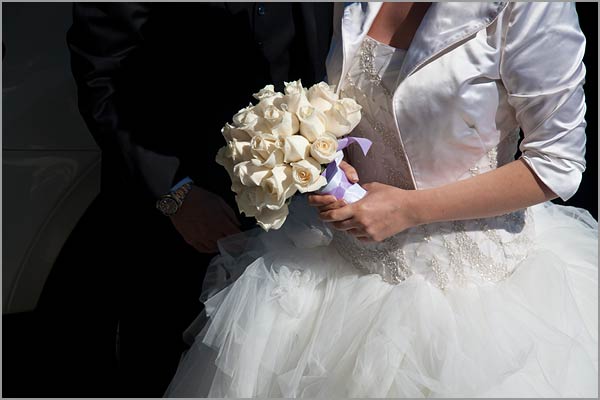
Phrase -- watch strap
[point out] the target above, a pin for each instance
(181, 192)
(176, 196)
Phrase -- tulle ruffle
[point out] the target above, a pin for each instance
(298, 321)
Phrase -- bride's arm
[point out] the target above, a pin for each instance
(511, 187)
(387, 210)
(547, 96)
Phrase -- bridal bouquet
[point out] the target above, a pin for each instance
(287, 143)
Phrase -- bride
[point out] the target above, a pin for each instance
(455, 275)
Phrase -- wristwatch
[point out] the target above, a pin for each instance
(170, 203)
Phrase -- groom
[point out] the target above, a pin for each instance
(156, 83)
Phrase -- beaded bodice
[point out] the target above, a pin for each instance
(449, 253)
(370, 81)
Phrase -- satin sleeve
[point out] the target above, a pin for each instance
(543, 72)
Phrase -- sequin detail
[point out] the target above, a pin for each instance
(367, 64)
(441, 275)
(454, 253)
(391, 260)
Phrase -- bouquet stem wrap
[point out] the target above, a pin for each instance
(338, 184)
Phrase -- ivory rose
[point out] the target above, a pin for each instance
(231, 132)
(239, 150)
(272, 219)
(294, 98)
(245, 118)
(343, 117)
(274, 159)
(312, 122)
(262, 145)
(250, 174)
(324, 148)
(280, 121)
(268, 92)
(248, 200)
(278, 186)
(295, 148)
(321, 96)
(225, 161)
(307, 175)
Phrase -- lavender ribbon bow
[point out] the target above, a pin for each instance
(337, 183)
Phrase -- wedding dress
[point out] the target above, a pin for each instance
(503, 306)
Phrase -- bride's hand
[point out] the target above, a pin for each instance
(383, 212)
(326, 202)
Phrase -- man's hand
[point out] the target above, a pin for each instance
(203, 219)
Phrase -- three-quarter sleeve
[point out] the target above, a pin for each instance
(542, 70)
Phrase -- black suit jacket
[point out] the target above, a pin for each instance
(157, 82)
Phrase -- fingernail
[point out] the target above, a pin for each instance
(354, 177)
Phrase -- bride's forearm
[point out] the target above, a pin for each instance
(511, 187)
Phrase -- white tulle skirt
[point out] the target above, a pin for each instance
(295, 319)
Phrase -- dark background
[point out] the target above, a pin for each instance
(587, 195)
(39, 359)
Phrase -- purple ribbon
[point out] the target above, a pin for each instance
(338, 184)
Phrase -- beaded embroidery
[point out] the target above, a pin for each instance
(383, 258)
(367, 64)
(399, 177)
(458, 242)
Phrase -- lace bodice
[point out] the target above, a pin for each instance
(370, 81)
(449, 253)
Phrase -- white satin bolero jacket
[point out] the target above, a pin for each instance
(474, 74)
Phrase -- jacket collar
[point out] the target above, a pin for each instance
(444, 25)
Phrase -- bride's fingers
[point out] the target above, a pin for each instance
(319, 200)
(333, 206)
(349, 224)
(360, 234)
(350, 172)
(339, 214)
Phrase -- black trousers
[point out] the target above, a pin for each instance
(122, 292)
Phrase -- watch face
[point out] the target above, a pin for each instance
(167, 206)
